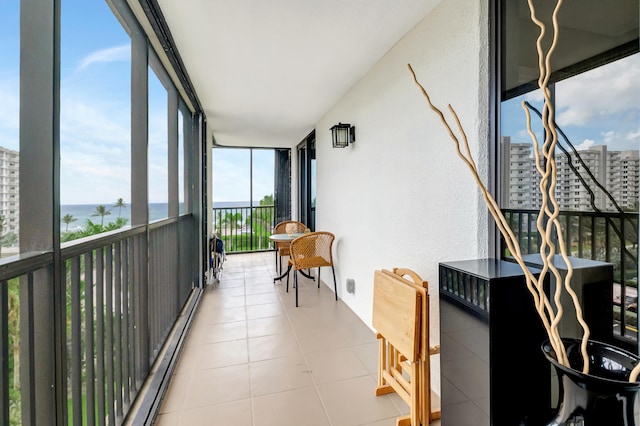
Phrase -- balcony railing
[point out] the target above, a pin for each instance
(244, 229)
(80, 327)
(604, 236)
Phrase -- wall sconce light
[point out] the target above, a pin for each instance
(343, 134)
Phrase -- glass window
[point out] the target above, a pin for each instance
(231, 180)
(9, 125)
(243, 197)
(95, 116)
(595, 92)
(158, 149)
(9, 185)
(262, 177)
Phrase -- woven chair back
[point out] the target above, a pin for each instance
(312, 250)
(281, 228)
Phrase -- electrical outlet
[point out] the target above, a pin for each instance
(351, 285)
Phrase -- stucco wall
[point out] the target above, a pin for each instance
(400, 196)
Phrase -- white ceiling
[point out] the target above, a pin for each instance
(265, 71)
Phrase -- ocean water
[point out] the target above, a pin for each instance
(82, 212)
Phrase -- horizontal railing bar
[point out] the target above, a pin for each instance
(21, 264)
(162, 223)
(83, 245)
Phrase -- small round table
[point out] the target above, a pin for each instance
(280, 238)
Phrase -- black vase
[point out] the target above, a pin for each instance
(604, 397)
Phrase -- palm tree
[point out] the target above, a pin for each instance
(119, 204)
(67, 219)
(102, 212)
(91, 229)
(119, 223)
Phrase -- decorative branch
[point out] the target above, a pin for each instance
(549, 207)
(547, 222)
(534, 285)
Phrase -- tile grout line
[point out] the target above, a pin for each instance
(246, 317)
(306, 361)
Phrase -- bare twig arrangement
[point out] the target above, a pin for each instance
(547, 222)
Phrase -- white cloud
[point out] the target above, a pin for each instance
(604, 91)
(93, 179)
(231, 173)
(586, 144)
(608, 136)
(534, 97)
(9, 114)
(95, 153)
(633, 135)
(82, 122)
(112, 54)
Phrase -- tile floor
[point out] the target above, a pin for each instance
(253, 359)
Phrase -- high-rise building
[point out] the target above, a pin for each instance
(519, 172)
(589, 180)
(9, 190)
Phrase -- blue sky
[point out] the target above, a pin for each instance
(95, 104)
(231, 169)
(598, 107)
(95, 112)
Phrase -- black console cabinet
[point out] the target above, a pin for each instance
(494, 295)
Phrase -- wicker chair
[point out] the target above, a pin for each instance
(282, 248)
(312, 250)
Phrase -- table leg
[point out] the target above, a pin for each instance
(283, 275)
(307, 275)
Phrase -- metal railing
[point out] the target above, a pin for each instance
(118, 297)
(244, 229)
(610, 237)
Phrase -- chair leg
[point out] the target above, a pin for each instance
(335, 285)
(295, 279)
(288, 283)
(318, 277)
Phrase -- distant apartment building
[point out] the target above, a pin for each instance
(9, 190)
(596, 179)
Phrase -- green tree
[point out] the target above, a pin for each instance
(262, 220)
(9, 239)
(232, 220)
(94, 228)
(91, 228)
(229, 224)
(14, 332)
(102, 212)
(13, 319)
(119, 223)
(119, 204)
(67, 219)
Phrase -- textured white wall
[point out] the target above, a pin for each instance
(400, 196)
